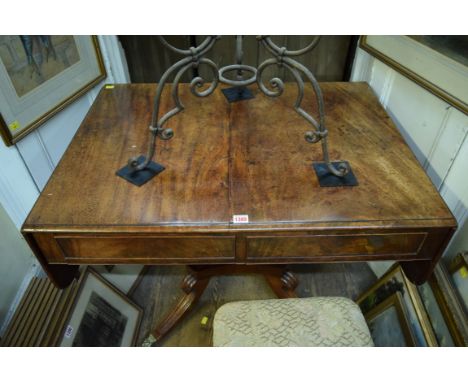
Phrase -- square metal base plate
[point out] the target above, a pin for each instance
(139, 178)
(327, 179)
(237, 93)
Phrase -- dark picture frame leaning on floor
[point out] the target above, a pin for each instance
(388, 323)
(102, 315)
(394, 280)
(41, 75)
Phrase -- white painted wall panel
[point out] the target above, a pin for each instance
(58, 135)
(455, 187)
(18, 191)
(435, 131)
(418, 113)
(15, 260)
(362, 66)
(379, 80)
(459, 243)
(43, 148)
(447, 146)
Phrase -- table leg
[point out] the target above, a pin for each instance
(283, 286)
(61, 275)
(193, 288)
(282, 282)
(418, 272)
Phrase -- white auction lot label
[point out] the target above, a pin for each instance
(240, 219)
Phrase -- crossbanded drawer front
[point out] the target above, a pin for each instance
(184, 249)
(302, 247)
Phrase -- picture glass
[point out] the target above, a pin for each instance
(102, 316)
(395, 282)
(122, 276)
(40, 75)
(32, 60)
(436, 63)
(386, 330)
(441, 330)
(454, 47)
(101, 325)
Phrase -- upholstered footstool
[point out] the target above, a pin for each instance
(314, 321)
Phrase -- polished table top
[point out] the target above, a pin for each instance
(248, 157)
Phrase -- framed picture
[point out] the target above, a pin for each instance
(450, 306)
(459, 274)
(395, 281)
(125, 277)
(40, 75)
(441, 330)
(437, 63)
(388, 323)
(102, 315)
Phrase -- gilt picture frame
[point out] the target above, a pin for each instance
(459, 273)
(125, 277)
(40, 76)
(101, 316)
(426, 63)
(394, 280)
(388, 323)
(451, 307)
(441, 330)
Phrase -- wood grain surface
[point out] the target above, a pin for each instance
(248, 157)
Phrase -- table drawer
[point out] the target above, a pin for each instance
(164, 249)
(303, 247)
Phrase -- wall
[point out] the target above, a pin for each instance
(25, 169)
(16, 261)
(435, 131)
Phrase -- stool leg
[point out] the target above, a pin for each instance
(283, 284)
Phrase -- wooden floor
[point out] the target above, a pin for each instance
(159, 290)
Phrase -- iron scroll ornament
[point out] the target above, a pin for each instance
(141, 169)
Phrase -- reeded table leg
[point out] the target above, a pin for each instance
(283, 286)
(193, 288)
(282, 281)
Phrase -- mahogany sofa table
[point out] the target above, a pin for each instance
(248, 157)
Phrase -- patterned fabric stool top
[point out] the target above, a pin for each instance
(314, 321)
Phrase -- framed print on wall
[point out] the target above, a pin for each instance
(102, 315)
(437, 63)
(40, 75)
